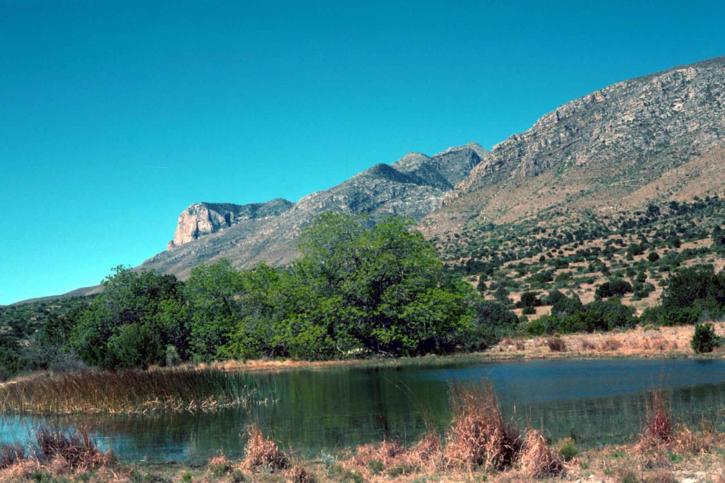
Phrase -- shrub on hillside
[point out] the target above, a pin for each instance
(704, 339)
(615, 287)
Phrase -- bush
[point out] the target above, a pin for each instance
(492, 322)
(704, 339)
(699, 283)
(613, 288)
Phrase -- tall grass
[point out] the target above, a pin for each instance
(132, 391)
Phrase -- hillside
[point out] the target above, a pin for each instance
(654, 138)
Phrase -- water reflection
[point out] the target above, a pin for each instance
(594, 401)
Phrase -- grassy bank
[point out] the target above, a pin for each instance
(479, 445)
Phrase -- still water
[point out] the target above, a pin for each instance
(318, 411)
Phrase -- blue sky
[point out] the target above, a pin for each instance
(115, 115)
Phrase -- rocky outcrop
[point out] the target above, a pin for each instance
(413, 186)
(202, 219)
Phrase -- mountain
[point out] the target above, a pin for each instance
(414, 186)
(643, 140)
(202, 219)
(595, 161)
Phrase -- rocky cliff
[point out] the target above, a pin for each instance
(414, 186)
(202, 219)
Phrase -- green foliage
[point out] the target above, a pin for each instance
(132, 321)
(357, 289)
(598, 316)
(613, 288)
(704, 339)
(492, 322)
(689, 285)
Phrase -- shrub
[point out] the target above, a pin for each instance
(556, 344)
(478, 436)
(492, 322)
(704, 339)
(690, 285)
(262, 453)
(613, 288)
(658, 428)
(567, 449)
(537, 460)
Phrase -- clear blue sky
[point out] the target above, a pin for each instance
(115, 115)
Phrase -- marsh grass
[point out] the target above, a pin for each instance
(132, 391)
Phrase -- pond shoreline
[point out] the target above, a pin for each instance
(634, 344)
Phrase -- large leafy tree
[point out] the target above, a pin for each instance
(131, 323)
(377, 288)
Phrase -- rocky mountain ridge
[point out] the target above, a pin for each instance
(413, 186)
(601, 151)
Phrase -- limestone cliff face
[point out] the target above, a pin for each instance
(202, 219)
(413, 187)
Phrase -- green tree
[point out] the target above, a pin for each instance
(704, 339)
(379, 289)
(132, 321)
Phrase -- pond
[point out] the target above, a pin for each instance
(316, 411)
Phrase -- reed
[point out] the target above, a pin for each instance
(132, 391)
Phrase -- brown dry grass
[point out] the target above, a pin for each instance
(478, 435)
(262, 453)
(537, 460)
(637, 342)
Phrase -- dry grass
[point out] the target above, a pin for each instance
(658, 427)
(262, 453)
(70, 452)
(10, 454)
(478, 435)
(132, 391)
(636, 342)
(537, 460)
(556, 344)
(55, 453)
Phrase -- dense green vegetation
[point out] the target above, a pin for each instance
(358, 290)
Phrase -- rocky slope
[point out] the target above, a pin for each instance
(202, 219)
(414, 186)
(602, 151)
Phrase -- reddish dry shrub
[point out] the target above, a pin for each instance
(68, 452)
(611, 344)
(684, 440)
(478, 436)
(536, 458)
(219, 465)
(556, 344)
(263, 453)
(657, 431)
